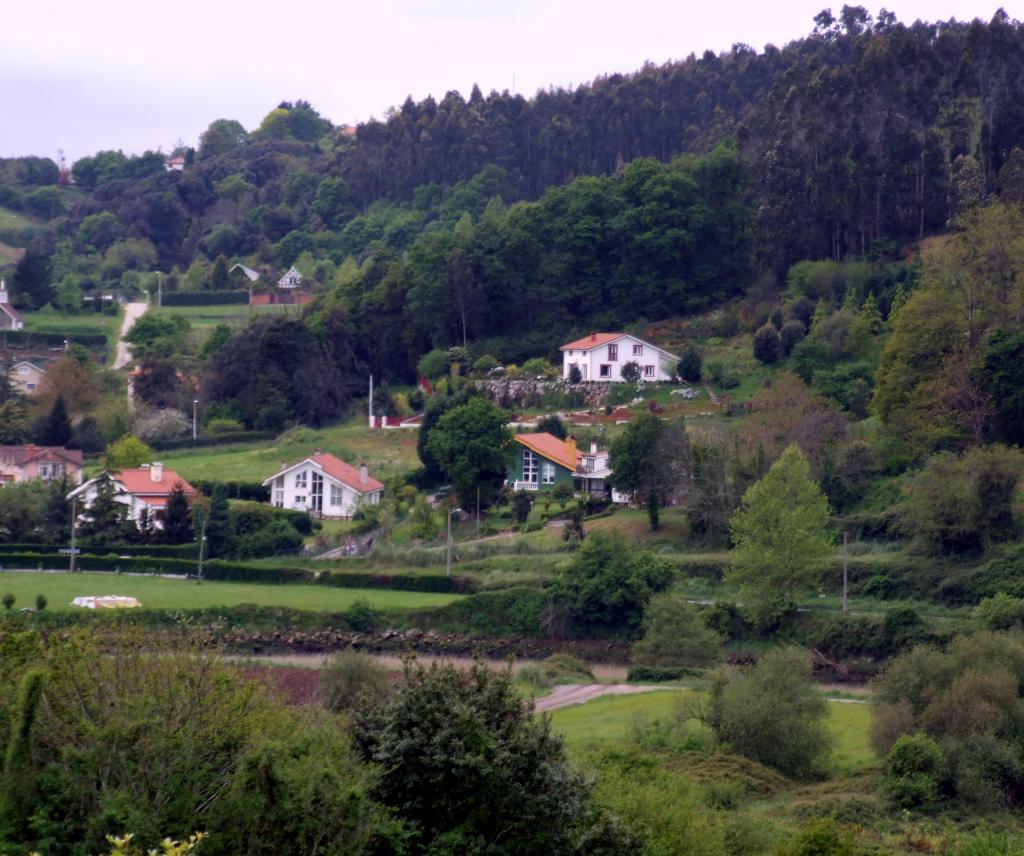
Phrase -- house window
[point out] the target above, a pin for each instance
(648, 371)
(279, 498)
(588, 464)
(613, 353)
(529, 466)
(300, 500)
(300, 481)
(549, 473)
(22, 369)
(605, 370)
(30, 386)
(638, 350)
(335, 495)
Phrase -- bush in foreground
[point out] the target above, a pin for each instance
(465, 763)
(772, 714)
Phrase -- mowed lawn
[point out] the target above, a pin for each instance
(55, 323)
(386, 453)
(160, 593)
(614, 718)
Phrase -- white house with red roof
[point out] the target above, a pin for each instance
(146, 487)
(601, 356)
(323, 485)
(10, 318)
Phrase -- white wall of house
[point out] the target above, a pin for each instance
(309, 488)
(605, 362)
(134, 504)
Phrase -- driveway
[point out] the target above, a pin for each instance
(132, 313)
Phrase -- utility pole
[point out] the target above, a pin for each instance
(371, 402)
(845, 569)
(202, 549)
(448, 557)
(74, 527)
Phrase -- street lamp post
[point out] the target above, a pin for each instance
(195, 411)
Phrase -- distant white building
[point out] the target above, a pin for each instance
(27, 377)
(292, 279)
(323, 485)
(249, 273)
(601, 356)
(10, 318)
(175, 164)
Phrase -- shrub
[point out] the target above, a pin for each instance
(1000, 612)
(674, 635)
(791, 335)
(631, 371)
(557, 669)
(767, 347)
(347, 676)
(772, 713)
(690, 364)
(914, 769)
(522, 503)
(820, 838)
(220, 427)
(485, 364)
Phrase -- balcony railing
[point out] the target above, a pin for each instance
(524, 485)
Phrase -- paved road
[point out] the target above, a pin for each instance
(132, 313)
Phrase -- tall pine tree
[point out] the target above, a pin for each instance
(177, 517)
(56, 430)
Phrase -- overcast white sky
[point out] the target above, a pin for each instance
(134, 75)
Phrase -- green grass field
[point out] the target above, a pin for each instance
(57, 323)
(385, 452)
(205, 318)
(160, 593)
(612, 719)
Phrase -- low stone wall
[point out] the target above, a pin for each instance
(530, 392)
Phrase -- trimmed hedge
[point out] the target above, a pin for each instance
(657, 674)
(227, 571)
(251, 491)
(205, 298)
(28, 339)
(159, 551)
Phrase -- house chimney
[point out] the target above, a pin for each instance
(156, 471)
(570, 449)
(593, 447)
(3, 291)
(284, 464)
(593, 336)
(364, 474)
(316, 452)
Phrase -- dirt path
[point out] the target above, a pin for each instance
(132, 313)
(570, 694)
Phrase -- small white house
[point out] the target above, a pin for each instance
(601, 356)
(147, 487)
(323, 485)
(292, 279)
(175, 164)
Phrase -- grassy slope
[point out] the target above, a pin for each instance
(160, 593)
(386, 452)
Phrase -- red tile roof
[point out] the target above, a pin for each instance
(139, 482)
(594, 340)
(21, 455)
(346, 473)
(550, 447)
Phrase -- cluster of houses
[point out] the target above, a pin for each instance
(326, 486)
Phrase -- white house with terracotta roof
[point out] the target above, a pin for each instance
(601, 356)
(323, 485)
(146, 487)
(10, 318)
(175, 164)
